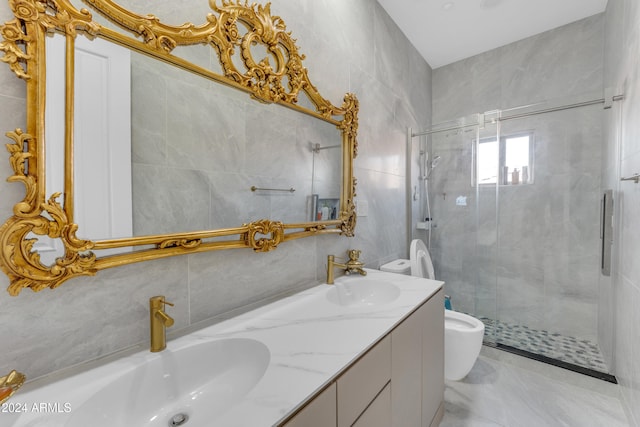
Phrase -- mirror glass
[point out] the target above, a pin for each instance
(183, 138)
(197, 155)
(197, 171)
(327, 165)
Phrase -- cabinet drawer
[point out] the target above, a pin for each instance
(360, 385)
(320, 412)
(378, 414)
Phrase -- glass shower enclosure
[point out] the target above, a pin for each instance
(512, 217)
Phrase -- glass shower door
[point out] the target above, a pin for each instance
(514, 217)
(548, 235)
(486, 177)
(463, 216)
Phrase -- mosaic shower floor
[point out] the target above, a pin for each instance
(556, 346)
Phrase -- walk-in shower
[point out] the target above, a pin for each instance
(513, 220)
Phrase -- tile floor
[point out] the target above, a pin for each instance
(568, 349)
(506, 390)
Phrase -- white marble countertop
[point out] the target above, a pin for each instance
(310, 339)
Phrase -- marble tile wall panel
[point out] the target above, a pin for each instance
(467, 87)
(350, 46)
(236, 278)
(556, 64)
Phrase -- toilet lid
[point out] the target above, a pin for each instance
(421, 265)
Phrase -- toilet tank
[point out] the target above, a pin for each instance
(399, 266)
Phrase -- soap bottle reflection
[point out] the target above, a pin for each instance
(325, 212)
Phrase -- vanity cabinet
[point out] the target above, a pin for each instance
(432, 313)
(417, 356)
(399, 382)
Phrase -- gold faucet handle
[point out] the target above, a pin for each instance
(159, 301)
(354, 254)
(9, 384)
(167, 320)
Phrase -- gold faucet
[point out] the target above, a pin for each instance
(160, 321)
(9, 384)
(352, 266)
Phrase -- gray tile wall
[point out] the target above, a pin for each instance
(563, 62)
(620, 294)
(532, 258)
(351, 46)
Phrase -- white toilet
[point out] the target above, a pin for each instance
(462, 333)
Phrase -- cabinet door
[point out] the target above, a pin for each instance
(360, 385)
(320, 412)
(432, 313)
(406, 370)
(378, 414)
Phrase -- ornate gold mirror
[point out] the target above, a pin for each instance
(207, 167)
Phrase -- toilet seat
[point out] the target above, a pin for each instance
(458, 324)
(462, 322)
(421, 265)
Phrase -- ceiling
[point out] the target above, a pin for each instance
(446, 31)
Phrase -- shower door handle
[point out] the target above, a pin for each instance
(606, 232)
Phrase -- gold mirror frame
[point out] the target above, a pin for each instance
(24, 51)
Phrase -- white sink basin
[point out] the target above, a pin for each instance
(362, 292)
(199, 382)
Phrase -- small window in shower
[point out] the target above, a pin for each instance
(508, 161)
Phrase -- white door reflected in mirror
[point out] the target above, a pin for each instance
(102, 140)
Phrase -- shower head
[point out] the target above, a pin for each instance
(435, 161)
